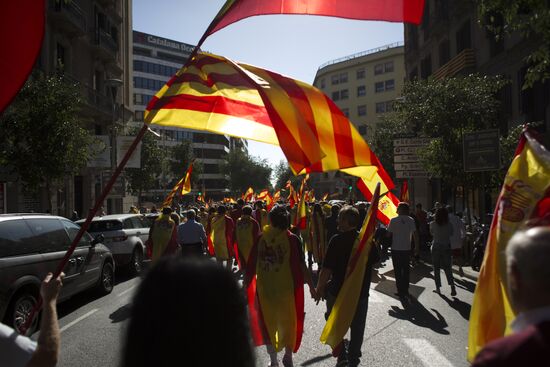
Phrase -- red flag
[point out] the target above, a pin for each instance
(405, 191)
(21, 33)
(409, 11)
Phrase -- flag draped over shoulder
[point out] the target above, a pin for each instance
(215, 94)
(389, 10)
(184, 184)
(523, 202)
(346, 302)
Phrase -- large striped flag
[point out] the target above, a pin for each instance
(389, 10)
(523, 202)
(345, 305)
(184, 184)
(215, 94)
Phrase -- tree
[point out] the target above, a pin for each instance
(531, 19)
(178, 163)
(443, 110)
(153, 162)
(246, 171)
(42, 139)
(282, 173)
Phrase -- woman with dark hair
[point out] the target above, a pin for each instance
(275, 280)
(442, 231)
(176, 318)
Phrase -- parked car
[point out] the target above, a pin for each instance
(125, 235)
(31, 245)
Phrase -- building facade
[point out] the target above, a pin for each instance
(364, 86)
(450, 41)
(90, 43)
(155, 61)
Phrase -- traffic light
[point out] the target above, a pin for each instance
(200, 193)
(350, 187)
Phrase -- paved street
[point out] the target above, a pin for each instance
(432, 333)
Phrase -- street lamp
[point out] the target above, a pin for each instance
(113, 85)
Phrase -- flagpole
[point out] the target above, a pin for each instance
(86, 224)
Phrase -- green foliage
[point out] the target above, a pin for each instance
(282, 173)
(181, 156)
(531, 19)
(443, 110)
(42, 139)
(245, 171)
(153, 161)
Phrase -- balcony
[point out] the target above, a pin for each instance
(104, 45)
(68, 17)
(96, 102)
(464, 61)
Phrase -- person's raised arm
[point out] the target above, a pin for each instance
(47, 349)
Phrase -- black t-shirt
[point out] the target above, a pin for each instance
(337, 258)
(331, 225)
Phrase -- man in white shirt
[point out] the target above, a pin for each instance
(457, 238)
(402, 229)
(528, 278)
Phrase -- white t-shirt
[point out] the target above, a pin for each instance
(15, 350)
(459, 231)
(402, 228)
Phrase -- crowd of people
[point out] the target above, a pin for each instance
(274, 259)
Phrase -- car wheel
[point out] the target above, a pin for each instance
(19, 311)
(137, 262)
(107, 279)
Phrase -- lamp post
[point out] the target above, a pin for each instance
(113, 85)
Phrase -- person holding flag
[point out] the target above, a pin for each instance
(260, 214)
(247, 231)
(344, 282)
(221, 236)
(163, 236)
(317, 235)
(274, 280)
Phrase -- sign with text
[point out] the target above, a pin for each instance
(409, 158)
(412, 166)
(406, 150)
(411, 174)
(100, 151)
(481, 151)
(122, 145)
(411, 142)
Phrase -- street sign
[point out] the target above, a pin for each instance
(406, 150)
(481, 151)
(410, 158)
(411, 174)
(412, 166)
(411, 142)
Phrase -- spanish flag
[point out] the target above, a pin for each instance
(184, 184)
(263, 194)
(248, 195)
(390, 10)
(404, 195)
(292, 196)
(387, 204)
(345, 305)
(221, 236)
(523, 202)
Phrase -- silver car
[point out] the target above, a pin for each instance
(125, 235)
(31, 245)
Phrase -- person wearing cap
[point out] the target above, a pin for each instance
(402, 229)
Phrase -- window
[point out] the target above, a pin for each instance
(378, 69)
(170, 57)
(334, 80)
(361, 91)
(426, 67)
(336, 96)
(139, 115)
(463, 37)
(15, 239)
(388, 67)
(345, 111)
(379, 87)
(141, 51)
(344, 94)
(343, 78)
(381, 107)
(363, 129)
(137, 222)
(362, 110)
(389, 84)
(72, 230)
(444, 52)
(50, 234)
(128, 224)
(138, 99)
(360, 74)
(389, 106)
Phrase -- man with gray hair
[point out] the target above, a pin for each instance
(528, 280)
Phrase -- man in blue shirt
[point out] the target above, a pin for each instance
(191, 236)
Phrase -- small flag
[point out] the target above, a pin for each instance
(404, 191)
(184, 184)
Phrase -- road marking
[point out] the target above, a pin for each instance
(427, 353)
(126, 291)
(78, 320)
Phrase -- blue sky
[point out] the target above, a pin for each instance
(293, 45)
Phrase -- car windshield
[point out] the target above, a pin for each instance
(105, 225)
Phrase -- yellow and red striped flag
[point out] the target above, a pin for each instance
(248, 195)
(200, 199)
(346, 302)
(404, 194)
(263, 194)
(277, 196)
(524, 201)
(184, 184)
(215, 94)
(292, 196)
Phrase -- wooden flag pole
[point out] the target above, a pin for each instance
(86, 224)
